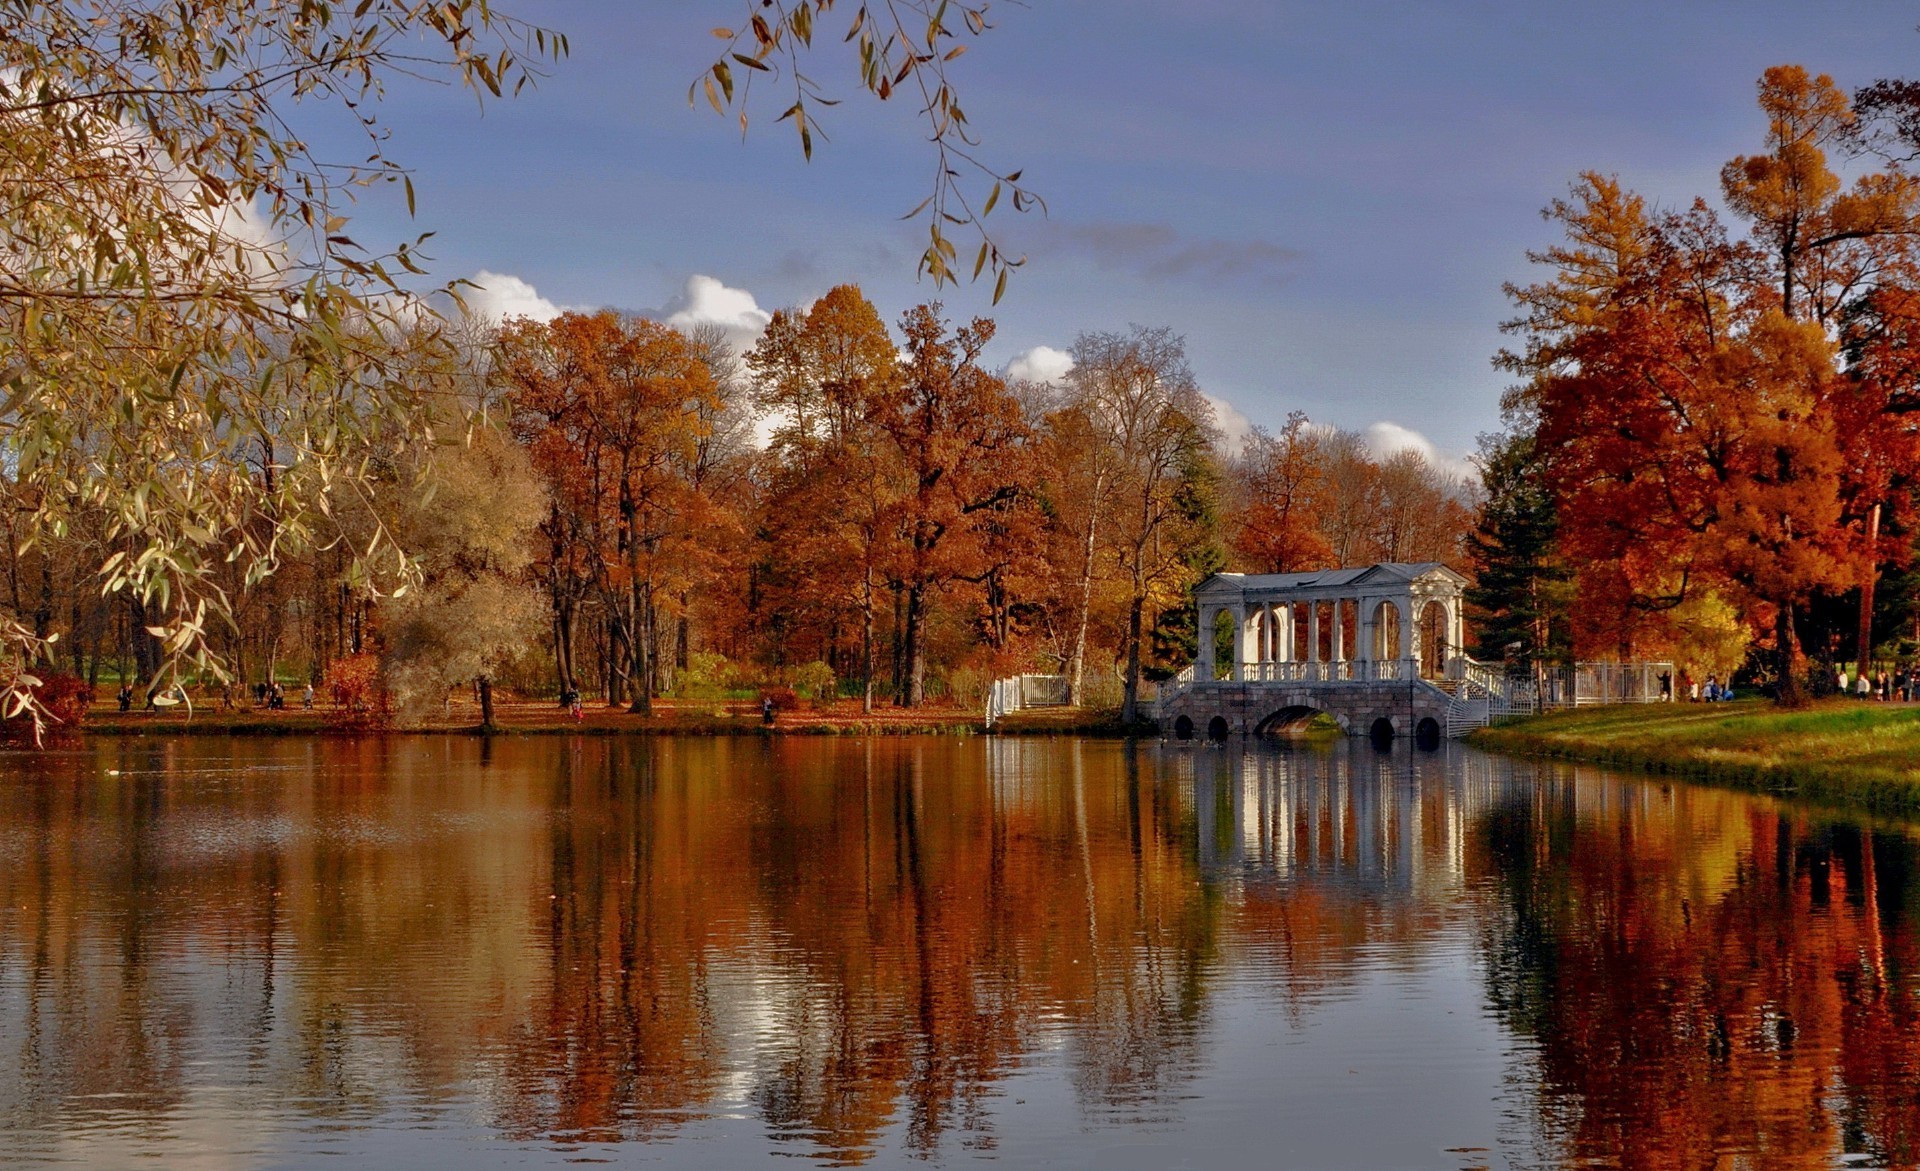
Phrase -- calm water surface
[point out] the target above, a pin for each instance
(426, 952)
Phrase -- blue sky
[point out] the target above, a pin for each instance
(1324, 199)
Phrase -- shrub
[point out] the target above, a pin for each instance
(63, 698)
(360, 698)
(814, 681)
(784, 699)
(707, 670)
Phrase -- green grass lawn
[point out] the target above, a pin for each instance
(1838, 751)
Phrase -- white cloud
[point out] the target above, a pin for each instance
(708, 301)
(1040, 364)
(1386, 438)
(500, 296)
(1233, 423)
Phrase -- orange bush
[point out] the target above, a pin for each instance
(64, 699)
(360, 698)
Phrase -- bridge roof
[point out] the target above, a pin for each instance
(1386, 574)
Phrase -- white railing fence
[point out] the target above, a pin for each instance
(1020, 692)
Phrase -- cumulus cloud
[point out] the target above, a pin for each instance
(498, 296)
(1156, 251)
(1386, 438)
(709, 301)
(1232, 422)
(1042, 364)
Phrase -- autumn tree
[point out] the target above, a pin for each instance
(473, 607)
(835, 474)
(964, 449)
(177, 281)
(1149, 434)
(1281, 482)
(1689, 388)
(613, 412)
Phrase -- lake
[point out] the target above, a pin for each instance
(440, 952)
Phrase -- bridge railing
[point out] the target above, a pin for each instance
(1345, 671)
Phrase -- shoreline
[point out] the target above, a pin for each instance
(1840, 753)
(670, 718)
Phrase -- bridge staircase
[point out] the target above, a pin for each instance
(1478, 694)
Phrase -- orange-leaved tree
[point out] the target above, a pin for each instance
(613, 411)
(1277, 526)
(965, 450)
(1689, 391)
(833, 476)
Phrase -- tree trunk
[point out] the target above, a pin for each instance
(1130, 701)
(146, 652)
(617, 657)
(899, 648)
(640, 651)
(866, 643)
(486, 703)
(1866, 587)
(563, 648)
(1787, 651)
(912, 648)
(1076, 662)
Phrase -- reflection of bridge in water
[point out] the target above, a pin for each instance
(1392, 821)
(1395, 822)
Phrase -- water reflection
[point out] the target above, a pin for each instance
(867, 951)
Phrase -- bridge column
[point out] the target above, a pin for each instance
(1313, 635)
(1408, 621)
(1245, 646)
(1341, 651)
(1363, 634)
(1203, 661)
(1283, 631)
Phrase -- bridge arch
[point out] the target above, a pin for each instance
(1293, 719)
(1384, 624)
(1426, 734)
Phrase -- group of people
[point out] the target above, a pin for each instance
(1714, 691)
(1880, 684)
(270, 695)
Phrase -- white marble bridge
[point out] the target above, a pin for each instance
(1378, 648)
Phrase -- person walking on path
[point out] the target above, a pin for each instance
(1861, 687)
(766, 710)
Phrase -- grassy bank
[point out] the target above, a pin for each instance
(1838, 752)
(670, 718)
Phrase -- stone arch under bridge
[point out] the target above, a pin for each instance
(1372, 647)
(1293, 718)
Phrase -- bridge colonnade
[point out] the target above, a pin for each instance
(1378, 623)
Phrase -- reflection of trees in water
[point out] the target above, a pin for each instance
(620, 1041)
(1703, 974)
(857, 941)
(618, 937)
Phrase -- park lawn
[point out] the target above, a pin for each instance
(1838, 751)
